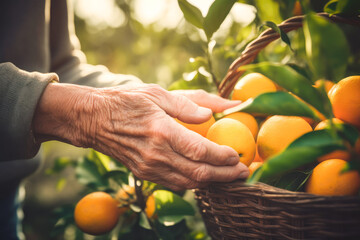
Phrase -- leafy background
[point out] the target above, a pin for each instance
(175, 56)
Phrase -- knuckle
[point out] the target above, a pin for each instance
(197, 151)
(202, 174)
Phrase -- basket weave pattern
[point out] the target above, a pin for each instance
(239, 211)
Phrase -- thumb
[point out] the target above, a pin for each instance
(180, 107)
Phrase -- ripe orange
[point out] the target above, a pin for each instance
(253, 166)
(150, 207)
(234, 134)
(345, 100)
(96, 213)
(337, 154)
(277, 132)
(251, 85)
(124, 197)
(328, 180)
(257, 157)
(201, 128)
(246, 119)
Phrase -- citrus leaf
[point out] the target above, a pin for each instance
(171, 208)
(347, 7)
(292, 181)
(144, 222)
(216, 15)
(191, 13)
(302, 151)
(196, 81)
(284, 37)
(87, 173)
(327, 49)
(293, 82)
(274, 103)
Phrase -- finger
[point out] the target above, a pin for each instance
(204, 173)
(197, 148)
(178, 106)
(208, 100)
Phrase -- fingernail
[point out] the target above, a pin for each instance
(203, 111)
(244, 174)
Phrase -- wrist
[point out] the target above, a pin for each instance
(61, 112)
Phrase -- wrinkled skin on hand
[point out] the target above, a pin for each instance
(136, 126)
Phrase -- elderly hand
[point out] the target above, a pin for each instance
(136, 126)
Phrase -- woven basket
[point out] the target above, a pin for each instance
(239, 211)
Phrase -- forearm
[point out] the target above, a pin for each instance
(64, 113)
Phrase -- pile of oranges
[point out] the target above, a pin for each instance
(258, 139)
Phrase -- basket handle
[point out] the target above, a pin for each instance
(253, 48)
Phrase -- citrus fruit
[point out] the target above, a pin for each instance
(251, 85)
(96, 213)
(277, 132)
(246, 119)
(124, 196)
(236, 135)
(345, 99)
(253, 166)
(327, 179)
(339, 154)
(150, 207)
(201, 128)
(257, 157)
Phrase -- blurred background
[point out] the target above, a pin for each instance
(151, 40)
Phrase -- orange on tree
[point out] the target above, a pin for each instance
(96, 213)
(246, 119)
(277, 132)
(150, 207)
(236, 135)
(124, 196)
(201, 128)
(339, 154)
(252, 85)
(345, 99)
(327, 179)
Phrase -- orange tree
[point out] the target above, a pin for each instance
(320, 50)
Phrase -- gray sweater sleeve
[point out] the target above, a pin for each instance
(68, 61)
(19, 94)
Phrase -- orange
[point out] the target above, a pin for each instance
(327, 84)
(96, 213)
(246, 119)
(277, 132)
(236, 135)
(328, 180)
(124, 197)
(257, 157)
(345, 100)
(150, 207)
(201, 128)
(253, 166)
(252, 85)
(339, 154)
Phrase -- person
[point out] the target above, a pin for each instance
(49, 92)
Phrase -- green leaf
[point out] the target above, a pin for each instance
(191, 13)
(347, 7)
(216, 15)
(274, 103)
(171, 208)
(302, 151)
(284, 37)
(196, 80)
(144, 221)
(87, 173)
(294, 82)
(326, 47)
(292, 181)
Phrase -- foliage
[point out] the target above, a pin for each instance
(320, 50)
